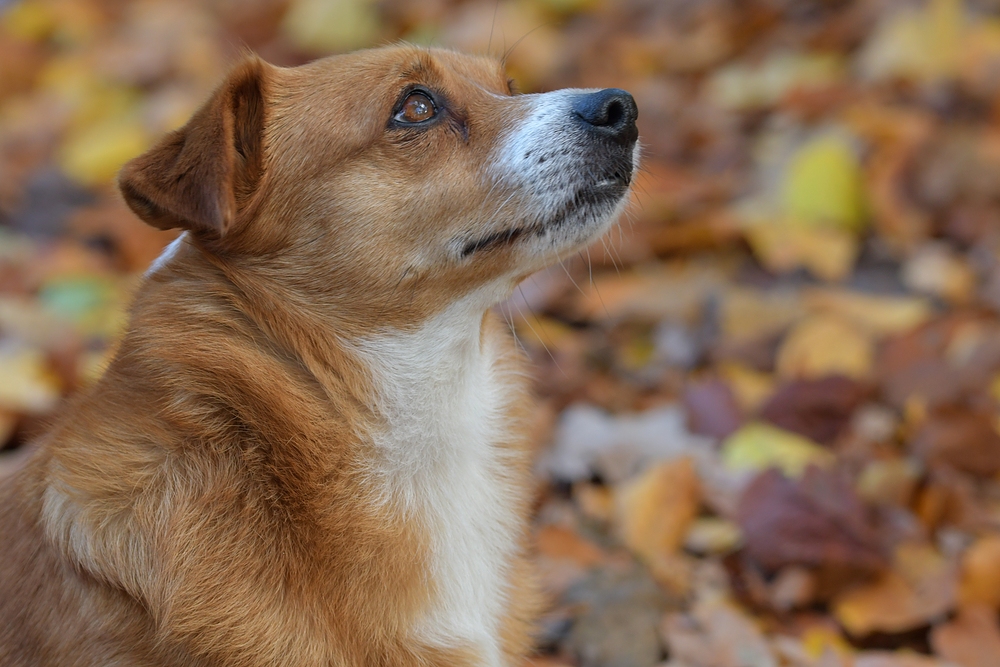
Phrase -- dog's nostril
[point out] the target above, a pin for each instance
(614, 113)
(610, 113)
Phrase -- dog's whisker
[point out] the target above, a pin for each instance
(541, 339)
(593, 285)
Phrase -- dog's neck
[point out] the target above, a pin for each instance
(438, 391)
(444, 395)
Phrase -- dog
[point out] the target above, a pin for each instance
(310, 447)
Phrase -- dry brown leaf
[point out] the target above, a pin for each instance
(828, 254)
(919, 589)
(980, 578)
(888, 482)
(558, 543)
(750, 387)
(824, 345)
(895, 659)
(654, 511)
(814, 521)
(962, 439)
(675, 291)
(937, 270)
(27, 383)
(818, 409)
(748, 314)
(8, 424)
(596, 502)
(878, 315)
(972, 639)
(712, 408)
(716, 634)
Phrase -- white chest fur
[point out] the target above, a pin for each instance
(443, 459)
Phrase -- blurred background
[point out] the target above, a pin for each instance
(768, 401)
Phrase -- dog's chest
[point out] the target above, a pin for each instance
(444, 460)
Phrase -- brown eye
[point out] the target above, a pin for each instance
(417, 107)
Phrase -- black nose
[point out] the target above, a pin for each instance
(611, 113)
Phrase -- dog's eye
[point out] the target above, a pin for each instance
(417, 107)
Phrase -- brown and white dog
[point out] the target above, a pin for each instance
(310, 447)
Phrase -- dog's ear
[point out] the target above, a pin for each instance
(199, 176)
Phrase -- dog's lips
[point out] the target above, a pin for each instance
(606, 191)
(506, 237)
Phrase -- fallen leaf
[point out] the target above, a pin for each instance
(27, 384)
(8, 424)
(595, 501)
(937, 270)
(815, 521)
(328, 27)
(980, 573)
(654, 511)
(563, 544)
(896, 659)
(758, 446)
(918, 590)
(825, 345)
(675, 291)
(750, 387)
(749, 314)
(782, 247)
(877, 314)
(712, 535)
(822, 640)
(823, 185)
(963, 439)
(793, 587)
(923, 44)
(817, 409)
(741, 86)
(589, 440)
(716, 634)
(888, 482)
(712, 408)
(971, 639)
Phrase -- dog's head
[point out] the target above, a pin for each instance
(392, 180)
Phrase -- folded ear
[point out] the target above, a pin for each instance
(199, 176)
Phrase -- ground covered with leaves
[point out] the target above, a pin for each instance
(769, 401)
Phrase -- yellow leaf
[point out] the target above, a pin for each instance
(94, 155)
(878, 315)
(751, 387)
(741, 86)
(748, 314)
(825, 345)
(326, 26)
(712, 535)
(28, 20)
(924, 44)
(26, 382)
(566, 6)
(759, 446)
(823, 185)
(819, 639)
(654, 510)
(783, 246)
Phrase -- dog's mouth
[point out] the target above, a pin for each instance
(594, 200)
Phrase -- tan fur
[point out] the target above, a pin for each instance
(209, 500)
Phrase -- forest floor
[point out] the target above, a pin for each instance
(769, 400)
